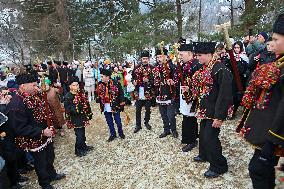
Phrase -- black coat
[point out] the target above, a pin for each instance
(137, 75)
(8, 142)
(76, 115)
(53, 75)
(162, 89)
(242, 67)
(219, 100)
(264, 58)
(24, 125)
(268, 123)
(115, 97)
(187, 70)
(64, 73)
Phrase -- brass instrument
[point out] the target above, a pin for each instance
(280, 62)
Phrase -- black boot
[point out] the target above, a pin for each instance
(211, 174)
(189, 147)
(58, 176)
(88, 148)
(122, 136)
(111, 138)
(148, 126)
(80, 153)
(175, 134)
(16, 186)
(137, 129)
(47, 187)
(199, 159)
(164, 134)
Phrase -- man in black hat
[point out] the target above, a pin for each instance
(78, 114)
(64, 73)
(263, 127)
(166, 92)
(142, 78)
(212, 90)
(183, 76)
(112, 102)
(53, 74)
(29, 124)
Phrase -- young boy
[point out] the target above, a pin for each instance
(78, 114)
(111, 99)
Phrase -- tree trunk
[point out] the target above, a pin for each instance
(232, 12)
(179, 17)
(199, 19)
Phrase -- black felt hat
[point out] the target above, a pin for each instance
(106, 72)
(57, 62)
(181, 40)
(159, 52)
(278, 26)
(43, 66)
(73, 79)
(204, 47)
(145, 54)
(28, 77)
(186, 47)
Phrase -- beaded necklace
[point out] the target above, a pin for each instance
(108, 92)
(37, 105)
(82, 100)
(258, 91)
(141, 72)
(202, 81)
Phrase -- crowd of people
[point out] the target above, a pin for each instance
(201, 81)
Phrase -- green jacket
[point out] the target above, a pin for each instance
(255, 48)
(118, 77)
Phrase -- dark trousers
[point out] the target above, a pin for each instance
(109, 118)
(44, 165)
(237, 98)
(210, 148)
(139, 105)
(65, 88)
(189, 129)
(168, 114)
(12, 171)
(262, 174)
(21, 158)
(4, 181)
(10, 156)
(80, 139)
